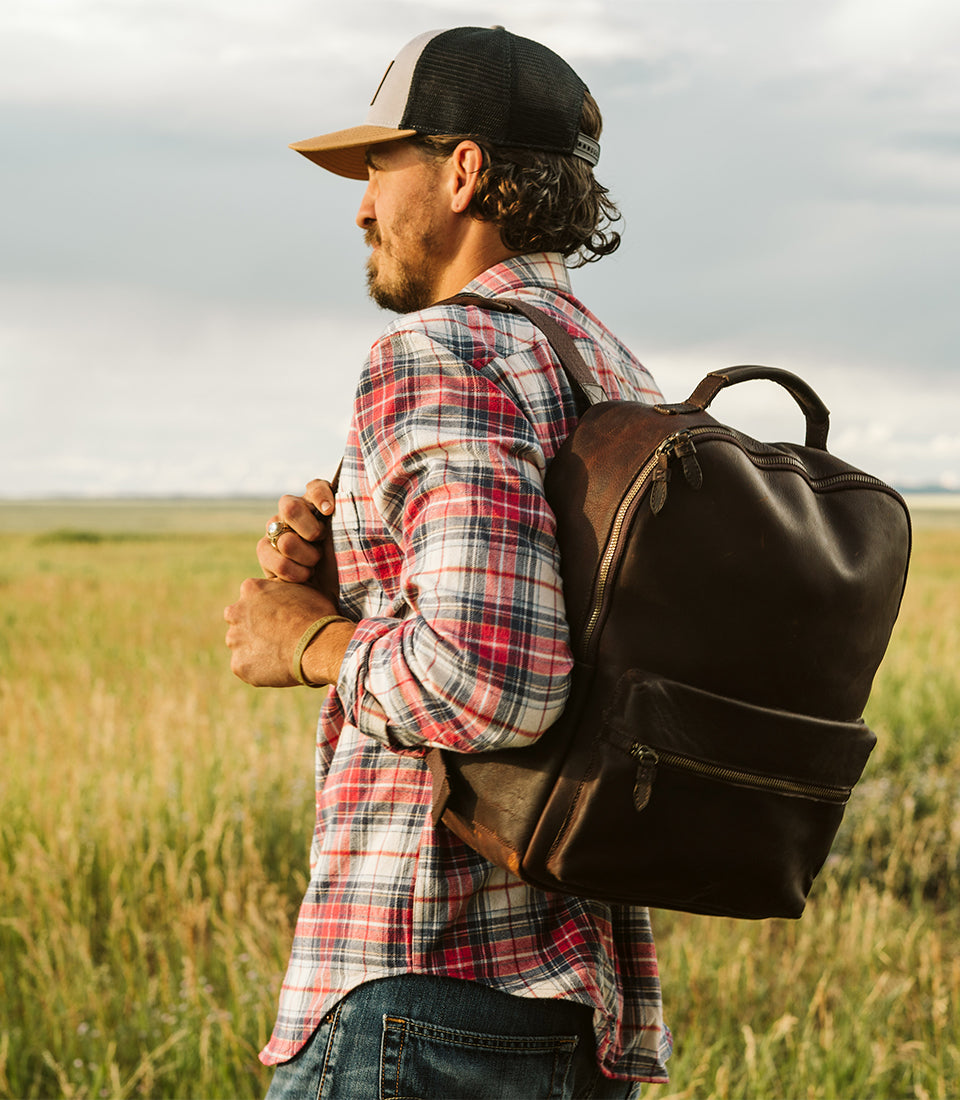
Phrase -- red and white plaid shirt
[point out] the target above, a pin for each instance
(449, 563)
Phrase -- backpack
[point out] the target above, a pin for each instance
(729, 602)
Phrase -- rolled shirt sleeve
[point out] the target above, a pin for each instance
(474, 655)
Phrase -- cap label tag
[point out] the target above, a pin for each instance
(587, 149)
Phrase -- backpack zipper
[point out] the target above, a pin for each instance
(681, 444)
(658, 461)
(650, 759)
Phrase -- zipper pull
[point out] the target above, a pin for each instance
(661, 476)
(681, 445)
(647, 761)
(685, 450)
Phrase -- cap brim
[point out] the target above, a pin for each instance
(343, 152)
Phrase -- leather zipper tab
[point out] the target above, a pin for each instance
(685, 450)
(661, 477)
(679, 445)
(647, 761)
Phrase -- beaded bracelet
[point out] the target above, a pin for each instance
(305, 639)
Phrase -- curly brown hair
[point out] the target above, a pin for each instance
(541, 202)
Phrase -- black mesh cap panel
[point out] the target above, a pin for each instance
(491, 84)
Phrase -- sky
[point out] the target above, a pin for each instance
(182, 297)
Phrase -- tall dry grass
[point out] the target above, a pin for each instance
(155, 818)
(154, 828)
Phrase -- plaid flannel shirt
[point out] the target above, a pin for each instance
(449, 563)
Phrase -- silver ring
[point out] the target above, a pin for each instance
(275, 529)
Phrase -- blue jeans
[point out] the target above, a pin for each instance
(418, 1037)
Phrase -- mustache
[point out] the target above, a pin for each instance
(371, 236)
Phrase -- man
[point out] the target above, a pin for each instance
(418, 968)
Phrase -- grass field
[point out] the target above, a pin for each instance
(155, 817)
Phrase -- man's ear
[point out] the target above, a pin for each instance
(465, 163)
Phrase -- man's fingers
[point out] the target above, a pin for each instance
(297, 514)
(296, 536)
(321, 496)
(293, 561)
(296, 548)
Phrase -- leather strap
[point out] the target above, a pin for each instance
(441, 784)
(588, 391)
(335, 480)
(815, 412)
(581, 378)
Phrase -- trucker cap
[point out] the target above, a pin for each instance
(469, 81)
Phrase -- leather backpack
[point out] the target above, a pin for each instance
(729, 602)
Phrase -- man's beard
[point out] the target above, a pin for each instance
(409, 289)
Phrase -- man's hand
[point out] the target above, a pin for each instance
(265, 625)
(304, 554)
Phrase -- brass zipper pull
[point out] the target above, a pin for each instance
(647, 761)
(685, 450)
(661, 476)
(681, 445)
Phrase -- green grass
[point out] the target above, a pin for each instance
(155, 817)
(155, 821)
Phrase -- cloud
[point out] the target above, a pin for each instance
(789, 175)
(186, 67)
(130, 392)
(890, 31)
(881, 418)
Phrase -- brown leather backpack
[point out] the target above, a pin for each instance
(729, 603)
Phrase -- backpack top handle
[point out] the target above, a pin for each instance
(816, 413)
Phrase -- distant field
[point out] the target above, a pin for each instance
(156, 516)
(155, 817)
(136, 516)
(934, 509)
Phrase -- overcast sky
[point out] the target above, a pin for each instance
(182, 305)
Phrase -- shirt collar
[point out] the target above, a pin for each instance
(543, 269)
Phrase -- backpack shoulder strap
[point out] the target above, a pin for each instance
(581, 378)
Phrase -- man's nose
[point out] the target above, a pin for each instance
(366, 215)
